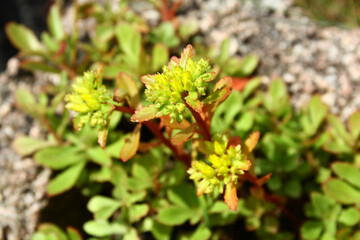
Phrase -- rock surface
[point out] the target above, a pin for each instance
(311, 59)
(22, 181)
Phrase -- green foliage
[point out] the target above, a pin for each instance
(230, 136)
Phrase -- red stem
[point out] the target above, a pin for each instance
(200, 122)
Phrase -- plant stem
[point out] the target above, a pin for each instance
(50, 129)
(200, 121)
(159, 134)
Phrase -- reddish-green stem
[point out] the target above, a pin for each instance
(200, 122)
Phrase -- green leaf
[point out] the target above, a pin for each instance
(349, 216)
(248, 65)
(250, 87)
(38, 65)
(23, 38)
(26, 102)
(194, 104)
(183, 136)
(102, 228)
(127, 82)
(73, 234)
(138, 211)
(52, 230)
(161, 231)
(311, 230)
(188, 28)
(340, 129)
(59, 157)
(201, 233)
(140, 172)
(245, 122)
(54, 23)
(114, 149)
(132, 234)
(347, 172)
(174, 215)
(118, 176)
(217, 96)
(293, 188)
(224, 51)
(103, 207)
(354, 124)
(183, 195)
(65, 180)
(99, 156)
(129, 42)
(103, 134)
(131, 144)
(160, 56)
(27, 145)
(164, 33)
(145, 114)
(176, 174)
(342, 192)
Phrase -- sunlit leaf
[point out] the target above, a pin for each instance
(230, 196)
(131, 144)
(183, 136)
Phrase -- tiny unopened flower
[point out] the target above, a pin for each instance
(183, 81)
(223, 165)
(89, 98)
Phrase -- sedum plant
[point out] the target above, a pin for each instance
(167, 151)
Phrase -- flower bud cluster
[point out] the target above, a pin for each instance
(224, 164)
(88, 99)
(181, 78)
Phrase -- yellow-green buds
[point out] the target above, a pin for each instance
(223, 165)
(89, 99)
(183, 81)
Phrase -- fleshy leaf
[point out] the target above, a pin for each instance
(248, 65)
(102, 135)
(251, 141)
(22, 37)
(55, 24)
(131, 144)
(27, 145)
(194, 104)
(183, 136)
(185, 55)
(166, 215)
(347, 172)
(33, 65)
(102, 228)
(103, 207)
(218, 95)
(175, 125)
(145, 114)
(342, 192)
(160, 56)
(65, 180)
(354, 124)
(230, 196)
(224, 82)
(126, 82)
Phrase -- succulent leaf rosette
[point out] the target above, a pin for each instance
(222, 167)
(182, 82)
(89, 98)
